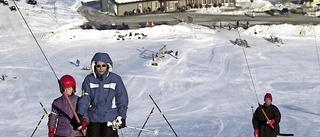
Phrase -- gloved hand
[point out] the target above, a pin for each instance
(256, 132)
(80, 116)
(270, 122)
(51, 132)
(123, 124)
(83, 125)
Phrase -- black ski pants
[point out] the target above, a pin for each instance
(100, 130)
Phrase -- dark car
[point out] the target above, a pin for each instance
(86, 26)
(285, 11)
(32, 2)
(5, 2)
(13, 8)
(104, 27)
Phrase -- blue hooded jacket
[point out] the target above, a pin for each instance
(104, 97)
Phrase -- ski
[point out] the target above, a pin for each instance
(281, 134)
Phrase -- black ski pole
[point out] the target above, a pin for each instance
(163, 115)
(37, 125)
(45, 113)
(145, 122)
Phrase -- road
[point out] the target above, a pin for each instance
(95, 17)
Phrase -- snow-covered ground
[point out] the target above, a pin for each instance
(209, 91)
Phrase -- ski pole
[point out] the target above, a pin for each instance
(146, 120)
(280, 134)
(45, 111)
(122, 133)
(163, 115)
(73, 111)
(37, 125)
(40, 119)
(155, 132)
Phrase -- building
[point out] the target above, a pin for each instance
(133, 7)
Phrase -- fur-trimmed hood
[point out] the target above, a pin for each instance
(104, 57)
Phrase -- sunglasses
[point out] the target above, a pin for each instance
(98, 66)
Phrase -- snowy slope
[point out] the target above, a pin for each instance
(207, 92)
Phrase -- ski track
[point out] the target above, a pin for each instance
(226, 74)
(140, 91)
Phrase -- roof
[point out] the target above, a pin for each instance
(127, 1)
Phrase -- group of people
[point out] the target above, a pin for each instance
(104, 99)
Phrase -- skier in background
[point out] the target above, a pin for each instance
(104, 97)
(62, 122)
(266, 119)
(248, 24)
(78, 63)
(238, 24)
(253, 14)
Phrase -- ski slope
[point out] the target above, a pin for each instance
(209, 91)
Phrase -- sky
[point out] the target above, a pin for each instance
(209, 90)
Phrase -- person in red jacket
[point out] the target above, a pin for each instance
(266, 119)
(62, 122)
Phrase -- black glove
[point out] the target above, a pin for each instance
(79, 125)
(123, 124)
(80, 117)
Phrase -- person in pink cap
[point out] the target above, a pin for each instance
(266, 119)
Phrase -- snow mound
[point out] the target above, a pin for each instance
(285, 30)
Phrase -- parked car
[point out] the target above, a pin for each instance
(13, 8)
(32, 2)
(299, 11)
(273, 12)
(285, 11)
(86, 26)
(103, 27)
(5, 2)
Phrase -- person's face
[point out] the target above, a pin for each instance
(69, 91)
(101, 67)
(268, 101)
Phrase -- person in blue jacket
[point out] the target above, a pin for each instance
(104, 98)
